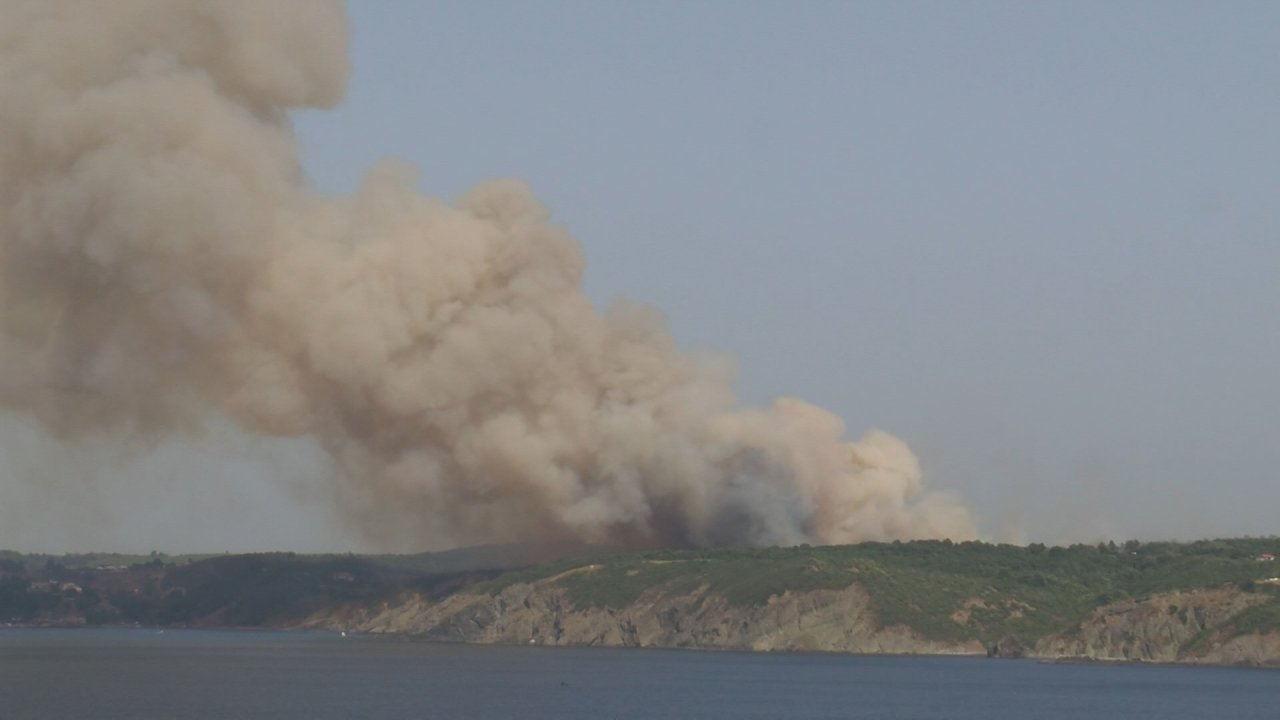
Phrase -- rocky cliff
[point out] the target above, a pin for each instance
(541, 613)
(1214, 601)
(1193, 626)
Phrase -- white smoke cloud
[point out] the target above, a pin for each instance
(163, 265)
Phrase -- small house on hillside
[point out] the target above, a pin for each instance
(1266, 557)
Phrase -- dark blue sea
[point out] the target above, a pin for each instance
(142, 674)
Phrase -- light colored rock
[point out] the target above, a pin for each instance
(541, 613)
(1253, 650)
(1157, 628)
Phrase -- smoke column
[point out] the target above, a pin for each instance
(163, 265)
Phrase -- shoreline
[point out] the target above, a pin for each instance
(411, 638)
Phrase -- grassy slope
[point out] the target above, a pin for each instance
(997, 589)
(945, 591)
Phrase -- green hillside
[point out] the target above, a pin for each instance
(944, 590)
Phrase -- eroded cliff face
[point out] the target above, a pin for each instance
(541, 613)
(1192, 626)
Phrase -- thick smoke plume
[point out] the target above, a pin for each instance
(163, 265)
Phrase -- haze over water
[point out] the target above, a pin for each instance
(207, 675)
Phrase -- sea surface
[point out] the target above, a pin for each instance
(137, 674)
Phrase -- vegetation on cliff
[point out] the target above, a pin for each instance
(943, 591)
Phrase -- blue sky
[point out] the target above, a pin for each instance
(1038, 241)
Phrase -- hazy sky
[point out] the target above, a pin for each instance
(1038, 241)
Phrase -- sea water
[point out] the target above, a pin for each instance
(137, 674)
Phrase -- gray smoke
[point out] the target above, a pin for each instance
(163, 265)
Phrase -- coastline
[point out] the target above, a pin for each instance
(414, 638)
